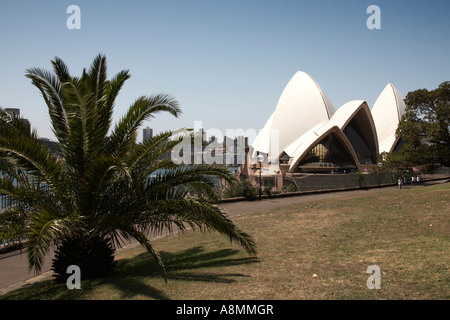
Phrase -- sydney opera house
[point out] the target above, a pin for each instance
(307, 134)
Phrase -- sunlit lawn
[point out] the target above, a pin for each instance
(314, 250)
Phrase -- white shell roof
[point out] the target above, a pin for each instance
(339, 120)
(301, 106)
(262, 140)
(388, 143)
(303, 143)
(387, 113)
(346, 112)
(304, 115)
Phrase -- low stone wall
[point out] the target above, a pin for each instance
(328, 190)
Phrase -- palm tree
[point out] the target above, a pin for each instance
(103, 187)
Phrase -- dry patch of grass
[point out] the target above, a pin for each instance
(315, 250)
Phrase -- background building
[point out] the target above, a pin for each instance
(147, 133)
(14, 111)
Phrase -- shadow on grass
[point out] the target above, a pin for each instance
(45, 290)
(140, 277)
(133, 275)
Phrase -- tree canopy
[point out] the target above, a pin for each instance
(424, 128)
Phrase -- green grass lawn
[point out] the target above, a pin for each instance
(314, 250)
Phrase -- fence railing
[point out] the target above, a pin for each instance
(6, 202)
(339, 181)
(328, 182)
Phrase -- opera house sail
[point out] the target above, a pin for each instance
(312, 136)
(387, 113)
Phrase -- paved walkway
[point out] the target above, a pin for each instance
(242, 207)
(14, 269)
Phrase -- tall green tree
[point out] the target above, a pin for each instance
(425, 128)
(103, 187)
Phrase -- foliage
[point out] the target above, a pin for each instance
(93, 255)
(242, 188)
(267, 190)
(358, 175)
(291, 188)
(103, 184)
(12, 224)
(425, 128)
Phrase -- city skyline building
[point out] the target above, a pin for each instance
(147, 133)
(13, 111)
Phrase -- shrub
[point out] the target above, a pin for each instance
(291, 188)
(93, 255)
(241, 188)
(267, 190)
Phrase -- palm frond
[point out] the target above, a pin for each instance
(29, 155)
(196, 213)
(44, 227)
(52, 93)
(12, 125)
(96, 78)
(201, 179)
(115, 84)
(13, 223)
(140, 237)
(61, 70)
(151, 150)
(124, 134)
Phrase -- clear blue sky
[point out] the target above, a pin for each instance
(225, 61)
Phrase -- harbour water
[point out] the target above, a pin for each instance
(6, 201)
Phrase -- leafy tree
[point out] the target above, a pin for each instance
(425, 128)
(103, 187)
(243, 188)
